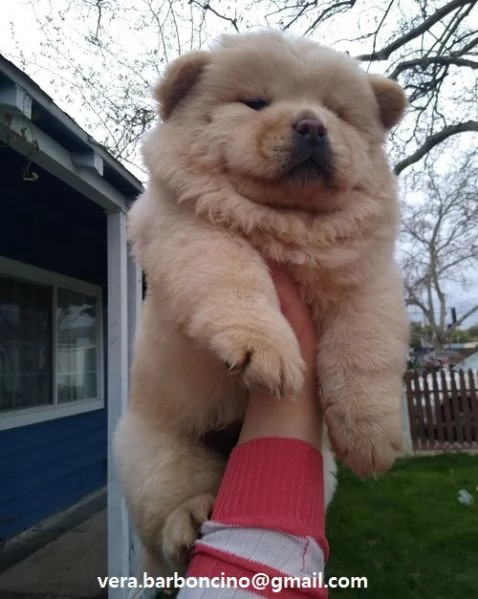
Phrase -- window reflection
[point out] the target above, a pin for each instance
(25, 344)
(76, 346)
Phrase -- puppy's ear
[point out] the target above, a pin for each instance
(178, 79)
(390, 98)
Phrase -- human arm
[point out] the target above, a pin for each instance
(269, 514)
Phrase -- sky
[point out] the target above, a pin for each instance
(21, 40)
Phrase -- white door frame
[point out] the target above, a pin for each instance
(124, 304)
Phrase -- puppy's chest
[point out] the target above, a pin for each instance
(317, 272)
(318, 288)
(324, 275)
(311, 264)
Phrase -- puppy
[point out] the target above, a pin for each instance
(269, 148)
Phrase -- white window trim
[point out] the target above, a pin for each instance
(17, 418)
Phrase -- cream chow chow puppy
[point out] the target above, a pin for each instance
(270, 148)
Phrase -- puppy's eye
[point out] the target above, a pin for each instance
(341, 112)
(256, 103)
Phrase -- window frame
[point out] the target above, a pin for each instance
(10, 419)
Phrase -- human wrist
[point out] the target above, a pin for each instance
(289, 417)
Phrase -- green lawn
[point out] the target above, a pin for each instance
(407, 532)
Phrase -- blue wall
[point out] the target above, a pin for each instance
(49, 466)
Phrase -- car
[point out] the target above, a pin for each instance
(445, 401)
(442, 382)
(430, 361)
(446, 357)
(422, 359)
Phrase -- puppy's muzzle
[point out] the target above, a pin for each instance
(312, 146)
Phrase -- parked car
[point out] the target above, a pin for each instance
(445, 357)
(430, 361)
(419, 359)
(444, 379)
(444, 403)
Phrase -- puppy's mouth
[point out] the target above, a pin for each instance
(309, 165)
(310, 171)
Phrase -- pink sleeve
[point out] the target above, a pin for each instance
(271, 497)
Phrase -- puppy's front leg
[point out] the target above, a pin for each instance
(361, 362)
(219, 289)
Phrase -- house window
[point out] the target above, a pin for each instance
(25, 344)
(76, 346)
(50, 345)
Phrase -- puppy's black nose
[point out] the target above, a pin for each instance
(312, 130)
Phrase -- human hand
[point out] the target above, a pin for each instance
(266, 415)
(297, 313)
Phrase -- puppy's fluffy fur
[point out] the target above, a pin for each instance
(229, 187)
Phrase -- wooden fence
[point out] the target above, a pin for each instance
(443, 410)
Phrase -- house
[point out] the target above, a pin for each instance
(468, 346)
(69, 298)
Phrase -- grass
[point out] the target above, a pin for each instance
(407, 532)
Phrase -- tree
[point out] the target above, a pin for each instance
(439, 251)
(419, 334)
(473, 332)
(102, 58)
(106, 54)
(460, 336)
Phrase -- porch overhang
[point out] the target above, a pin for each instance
(32, 125)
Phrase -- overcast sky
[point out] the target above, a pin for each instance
(20, 36)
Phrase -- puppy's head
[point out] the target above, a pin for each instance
(287, 121)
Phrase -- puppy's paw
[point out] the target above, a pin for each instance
(264, 358)
(367, 446)
(182, 526)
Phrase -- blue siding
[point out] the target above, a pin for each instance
(47, 467)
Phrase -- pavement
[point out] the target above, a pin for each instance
(60, 558)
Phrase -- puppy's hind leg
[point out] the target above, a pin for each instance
(169, 482)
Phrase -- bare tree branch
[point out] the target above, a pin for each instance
(301, 9)
(423, 63)
(379, 26)
(384, 53)
(334, 8)
(412, 300)
(207, 7)
(462, 319)
(434, 140)
(440, 236)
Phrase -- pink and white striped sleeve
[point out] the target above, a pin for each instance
(268, 519)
